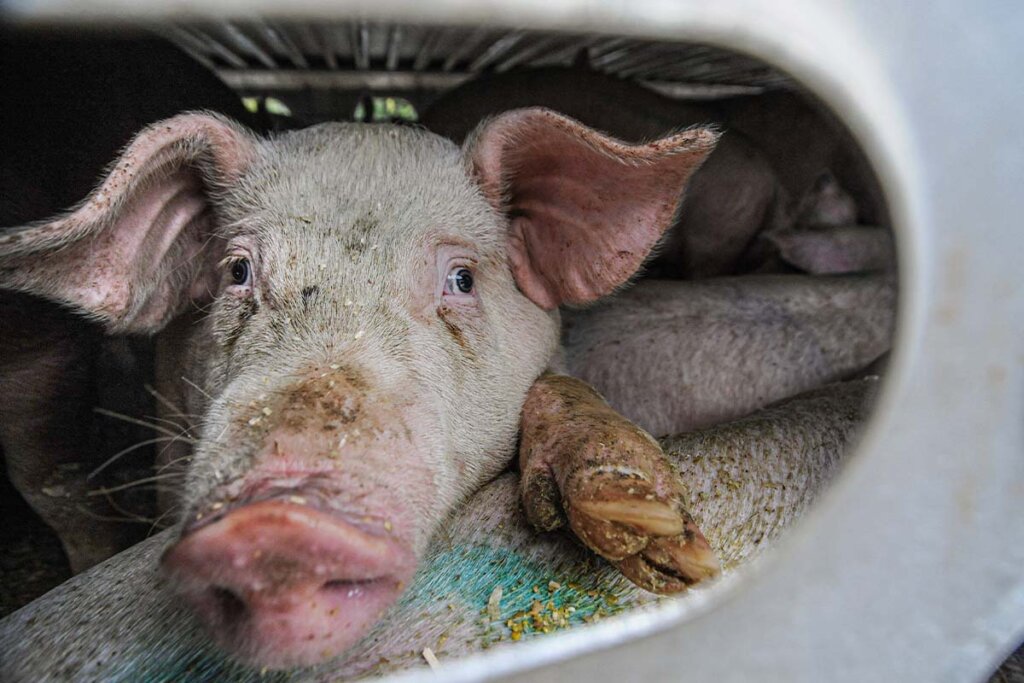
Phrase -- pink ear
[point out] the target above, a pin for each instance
(584, 209)
(136, 251)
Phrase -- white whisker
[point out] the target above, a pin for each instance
(125, 451)
(143, 423)
(195, 386)
(132, 484)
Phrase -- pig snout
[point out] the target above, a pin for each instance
(295, 558)
(282, 584)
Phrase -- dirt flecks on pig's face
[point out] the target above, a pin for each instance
(344, 353)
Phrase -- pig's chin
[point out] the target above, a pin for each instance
(279, 585)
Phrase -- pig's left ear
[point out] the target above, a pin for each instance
(584, 209)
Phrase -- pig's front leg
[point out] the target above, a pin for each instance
(584, 463)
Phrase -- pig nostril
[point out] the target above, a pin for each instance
(230, 606)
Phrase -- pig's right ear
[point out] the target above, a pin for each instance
(141, 247)
(584, 209)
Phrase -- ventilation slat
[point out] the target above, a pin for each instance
(461, 52)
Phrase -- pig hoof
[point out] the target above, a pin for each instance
(619, 515)
(652, 541)
(616, 512)
(672, 564)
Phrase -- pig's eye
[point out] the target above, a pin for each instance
(241, 272)
(459, 281)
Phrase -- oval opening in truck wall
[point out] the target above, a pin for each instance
(749, 343)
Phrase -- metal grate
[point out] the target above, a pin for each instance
(358, 54)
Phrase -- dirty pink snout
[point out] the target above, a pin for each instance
(281, 584)
(295, 560)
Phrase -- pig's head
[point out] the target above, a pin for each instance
(376, 303)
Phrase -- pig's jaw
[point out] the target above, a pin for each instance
(279, 584)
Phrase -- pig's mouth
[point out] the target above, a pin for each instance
(279, 583)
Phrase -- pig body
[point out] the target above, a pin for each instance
(839, 249)
(678, 355)
(748, 480)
